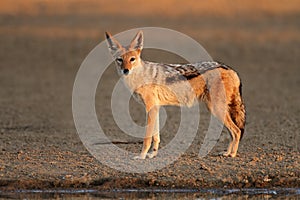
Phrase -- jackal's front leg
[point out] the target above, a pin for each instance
(156, 138)
(151, 123)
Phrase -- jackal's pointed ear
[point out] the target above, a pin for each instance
(138, 41)
(112, 43)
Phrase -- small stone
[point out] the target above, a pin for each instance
(68, 176)
(255, 159)
(279, 158)
(267, 179)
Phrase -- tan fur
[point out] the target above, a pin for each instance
(157, 85)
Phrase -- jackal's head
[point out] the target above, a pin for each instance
(129, 57)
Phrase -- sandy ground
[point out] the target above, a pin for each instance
(39, 145)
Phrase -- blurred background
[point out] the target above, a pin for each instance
(43, 42)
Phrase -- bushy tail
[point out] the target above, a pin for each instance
(238, 112)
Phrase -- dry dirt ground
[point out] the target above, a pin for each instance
(40, 148)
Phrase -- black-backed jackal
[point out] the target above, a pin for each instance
(157, 84)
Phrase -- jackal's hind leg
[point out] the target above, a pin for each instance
(219, 109)
(235, 133)
(228, 151)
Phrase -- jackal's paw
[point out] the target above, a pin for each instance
(139, 157)
(152, 154)
(232, 155)
(227, 154)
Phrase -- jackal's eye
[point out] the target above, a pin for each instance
(119, 60)
(132, 59)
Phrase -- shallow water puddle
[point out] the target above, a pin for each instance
(252, 193)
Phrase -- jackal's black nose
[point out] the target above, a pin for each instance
(125, 71)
